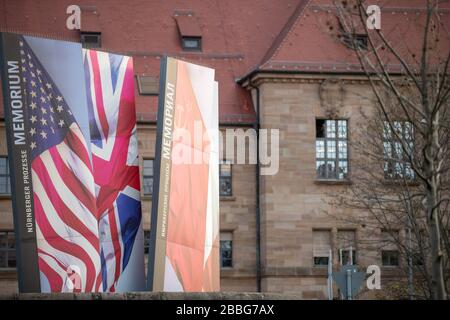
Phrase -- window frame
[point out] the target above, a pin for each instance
(231, 259)
(337, 159)
(330, 235)
(83, 36)
(230, 177)
(144, 176)
(389, 161)
(140, 78)
(7, 250)
(359, 41)
(389, 251)
(147, 241)
(7, 175)
(191, 38)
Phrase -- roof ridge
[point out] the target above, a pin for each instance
(285, 32)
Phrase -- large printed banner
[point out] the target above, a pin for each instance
(71, 130)
(184, 253)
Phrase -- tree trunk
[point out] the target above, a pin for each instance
(433, 211)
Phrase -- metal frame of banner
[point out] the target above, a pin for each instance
(26, 242)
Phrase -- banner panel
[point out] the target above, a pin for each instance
(59, 203)
(112, 123)
(185, 218)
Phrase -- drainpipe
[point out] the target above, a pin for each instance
(256, 127)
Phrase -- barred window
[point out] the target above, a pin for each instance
(389, 251)
(7, 250)
(146, 241)
(147, 179)
(347, 247)
(397, 164)
(226, 249)
(331, 149)
(5, 186)
(225, 178)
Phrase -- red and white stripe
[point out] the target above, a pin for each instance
(66, 215)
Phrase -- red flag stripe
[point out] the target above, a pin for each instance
(54, 278)
(98, 93)
(65, 213)
(71, 180)
(61, 244)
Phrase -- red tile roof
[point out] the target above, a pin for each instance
(235, 36)
(306, 43)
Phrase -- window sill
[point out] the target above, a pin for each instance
(5, 196)
(333, 181)
(398, 182)
(227, 198)
(226, 269)
(8, 273)
(390, 267)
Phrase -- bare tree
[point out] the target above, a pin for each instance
(401, 168)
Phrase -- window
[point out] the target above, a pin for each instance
(146, 241)
(191, 43)
(91, 40)
(225, 178)
(148, 85)
(389, 258)
(347, 247)
(147, 179)
(396, 161)
(331, 149)
(226, 249)
(355, 41)
(190, 31)
(321, 247)
(389, 253)
(7, 250)
(5, 185)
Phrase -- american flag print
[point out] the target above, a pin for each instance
(85, 173)
(65, 208)
(112, 123)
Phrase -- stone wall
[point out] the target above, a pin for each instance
(152, 296)
(237, 215)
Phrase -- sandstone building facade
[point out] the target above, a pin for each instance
(277, 69)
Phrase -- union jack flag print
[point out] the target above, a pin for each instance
(112, 122)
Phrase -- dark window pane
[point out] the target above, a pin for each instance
(192, 43)
(146, 241)
(346, 259)
(5, 187)
(390, 257)
(225, 178)
(225, 186)
(320, 128)
(226, 253)
(320, 261)
(147, 179)
(91, 40)
(7, 250)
